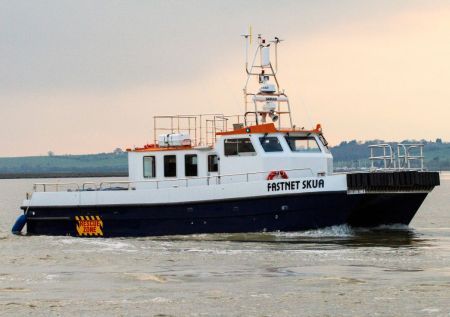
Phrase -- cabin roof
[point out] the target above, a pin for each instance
(261, 128)
(268, 128)
(157, 148)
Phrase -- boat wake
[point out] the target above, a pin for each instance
(341, 231)
(395, 226)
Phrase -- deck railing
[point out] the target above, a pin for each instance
(402, 159)
(201, 128)
(166, 183)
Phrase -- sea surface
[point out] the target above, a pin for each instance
(337, 271)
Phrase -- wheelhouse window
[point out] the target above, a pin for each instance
(213, 163)
(306, 144)
(271, 144)
(149, 167)
(241, 146)
(170, 166)
(190, 165)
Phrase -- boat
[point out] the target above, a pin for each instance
(216, 173)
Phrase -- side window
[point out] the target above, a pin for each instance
(149, 167)
(170, 166)
(190, 165)
(307, 144)
(242, 146)
(213, 163)
(271, 144)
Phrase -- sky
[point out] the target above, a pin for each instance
(88, 76)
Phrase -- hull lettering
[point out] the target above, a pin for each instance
(295, 185)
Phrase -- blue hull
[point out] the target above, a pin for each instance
(293, 212)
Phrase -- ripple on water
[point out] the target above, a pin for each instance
(147, 277)
(333, 271)
(104, 244)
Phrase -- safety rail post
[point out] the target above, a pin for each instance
(421, 157)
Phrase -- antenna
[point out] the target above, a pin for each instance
(248, 40)
(276, 41)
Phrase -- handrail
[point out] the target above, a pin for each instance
(387, 158)
(104, 185)
(201, 128)
(89, 183)
(397, 161)
(406, 159)
(100, 186)
(57, 185)
(157, 182)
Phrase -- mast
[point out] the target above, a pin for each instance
(269, 102)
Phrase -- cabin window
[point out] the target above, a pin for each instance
(149, 167)
(307, 144)
(170, 166)
(213, 163)
(271, 144)
(239, 147)
(190, 165)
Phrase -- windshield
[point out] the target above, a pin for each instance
(306, 144)
(271, 144)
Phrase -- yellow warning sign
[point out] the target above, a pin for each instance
(89, 225)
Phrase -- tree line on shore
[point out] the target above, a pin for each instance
(347, 155)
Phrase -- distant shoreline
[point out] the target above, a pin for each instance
(347, 156)
(61, 175)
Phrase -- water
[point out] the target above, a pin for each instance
(338, 271)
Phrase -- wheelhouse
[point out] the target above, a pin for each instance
(299, 153)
